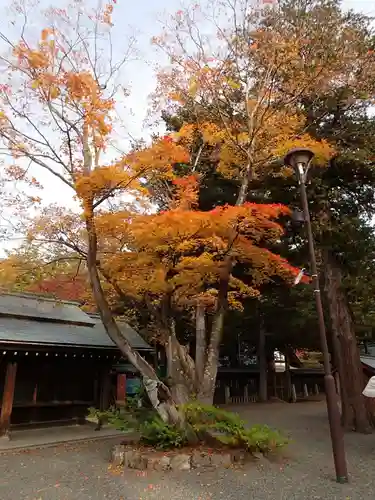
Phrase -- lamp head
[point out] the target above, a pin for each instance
(298, 157)
(298, 217)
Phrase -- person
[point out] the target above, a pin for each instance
(369, 390)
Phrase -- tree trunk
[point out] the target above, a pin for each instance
(352, 380)
(262, 360)
(288, 379)
(200, 343)
(158, 392)
(169, 356)
(271, 369)
(181, 374)
(340, 376)
(207, 388)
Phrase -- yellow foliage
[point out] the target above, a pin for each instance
(182, 252)
(103, 181)
(234, 147)
(322, 149)
(251, 85)
(158, 160)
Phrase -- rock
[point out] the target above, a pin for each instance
(153, 462)
(147, 459)
(200, 459)
(118, 455)
(165, 463)
(259, 457)
(238, 456)
(221, 459)
(135, 460)
(158, 463)
(180, 462)
(128, 456)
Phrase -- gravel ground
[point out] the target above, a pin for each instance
(82, 471)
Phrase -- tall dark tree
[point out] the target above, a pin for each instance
(341, 196)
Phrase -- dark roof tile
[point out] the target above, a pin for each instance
(42, 308)
(26, 331)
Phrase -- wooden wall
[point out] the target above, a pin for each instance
(52, 388)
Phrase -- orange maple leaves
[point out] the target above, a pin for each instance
(53, 76)
(181, 252)
(159, 158)
(186, 192)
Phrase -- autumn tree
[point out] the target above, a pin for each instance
(243, 77)
(343, 227)
(26, 269)
(240, 78)
(244, 86)
(57, 112)
(342, 206)
(174, 262)
(58, 100)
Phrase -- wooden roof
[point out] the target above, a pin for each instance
(37, 307)
(28, 319)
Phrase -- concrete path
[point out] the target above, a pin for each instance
(35, 438)
(82, 471)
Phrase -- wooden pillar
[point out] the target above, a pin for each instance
(227, 394)
(305, 391)
(294, 394)
(97, 389)
(121, 389)
(288, 379)
(262, 360)
(246, 394)
(7, 402)
(34, 409)
(105, 389)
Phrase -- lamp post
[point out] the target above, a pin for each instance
(300, 160)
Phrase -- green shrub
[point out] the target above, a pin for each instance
(208, 422)
(263, 438)
(204, 417)
(155, 432)
(121, 420)
(228, 429)
(115, 417)
(93, 413)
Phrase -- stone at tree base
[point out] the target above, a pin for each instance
(165, 463)
(135, 460)
(180, 462)
(259, 457)
(142, 459)
(221, 460)
(200, 459)
(153, 463)
(238, 456)
(158, 463)
(118, 455)
(128, 455)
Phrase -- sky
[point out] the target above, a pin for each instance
(145, 19)
(142, 18)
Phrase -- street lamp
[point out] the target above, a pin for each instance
(300, 160)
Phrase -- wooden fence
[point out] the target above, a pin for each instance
(248, 395)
